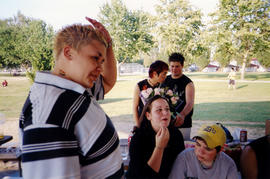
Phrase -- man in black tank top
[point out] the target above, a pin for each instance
(181, 85)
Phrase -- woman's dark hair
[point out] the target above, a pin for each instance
(144, 122)
(158, 66)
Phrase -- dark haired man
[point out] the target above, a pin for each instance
(181, 85)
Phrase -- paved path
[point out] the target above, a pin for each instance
(124, 127)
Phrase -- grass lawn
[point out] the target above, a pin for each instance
(13, 96)
(250, 102)
(213, 101)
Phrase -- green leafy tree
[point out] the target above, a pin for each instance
(26, 42)
(243, 31)
(129, 30)
(178, 29)
(39, 47)
(9, 55)
(200, 55)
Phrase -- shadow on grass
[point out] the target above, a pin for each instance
(256, 76)
(112, 100)
(233, 111)
(242, 86)
(207, 75)
(223, 111)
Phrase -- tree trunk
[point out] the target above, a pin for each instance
(118, 69)
(244, 66)
(243, 70)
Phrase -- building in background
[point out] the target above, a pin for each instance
(132, 68)
(213, 66)
(255, 66)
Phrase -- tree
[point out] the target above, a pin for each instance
(39, 46)
(9, 55)
(243, 31)
(178, 29)
(128, 29)
(26, 42)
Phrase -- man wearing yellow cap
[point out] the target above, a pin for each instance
(206, 160)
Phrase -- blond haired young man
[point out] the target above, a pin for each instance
(65, 132)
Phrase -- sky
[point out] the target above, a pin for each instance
(59, 13)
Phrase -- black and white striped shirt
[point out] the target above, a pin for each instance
(65, 132)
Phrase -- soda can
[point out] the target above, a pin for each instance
(243, 135)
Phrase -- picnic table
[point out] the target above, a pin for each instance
(5, 139)
(10, 153)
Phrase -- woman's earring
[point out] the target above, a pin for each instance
(62, 72)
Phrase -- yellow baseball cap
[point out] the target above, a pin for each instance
(213, 135)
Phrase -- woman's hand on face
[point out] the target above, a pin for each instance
(162, 137)
(101, 29)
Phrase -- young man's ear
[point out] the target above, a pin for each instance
(155, 73)
(67, 52)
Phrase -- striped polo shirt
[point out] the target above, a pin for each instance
(65, 133)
